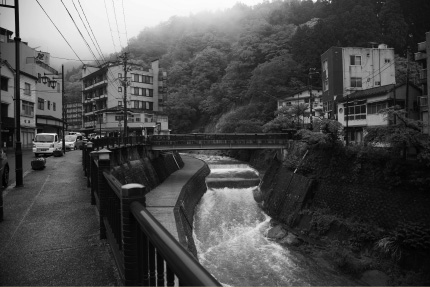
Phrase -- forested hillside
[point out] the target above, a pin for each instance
(227, 68)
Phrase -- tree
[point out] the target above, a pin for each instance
(393, 25)
(403, 134)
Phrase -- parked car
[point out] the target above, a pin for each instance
(45, 144)
(4, 169)
(81, 141)
(70, 142)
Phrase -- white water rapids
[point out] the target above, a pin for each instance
(229, 232)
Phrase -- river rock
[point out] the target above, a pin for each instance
(276, 233)
(375, 278)
(290, 239)
(258, 195)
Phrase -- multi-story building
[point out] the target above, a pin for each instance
(303, 96)
(360, 110)
(103, 99)
(74, 116)
(347, 70)
(423, 57)
(27, 96)
(48, 96)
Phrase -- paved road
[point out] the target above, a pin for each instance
(27, 157)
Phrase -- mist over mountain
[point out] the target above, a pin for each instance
(227, 68)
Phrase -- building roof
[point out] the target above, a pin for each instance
(292, 95)
(372, 92)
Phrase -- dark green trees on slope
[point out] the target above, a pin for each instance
(227, 68)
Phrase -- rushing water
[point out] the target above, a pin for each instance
(229, 230)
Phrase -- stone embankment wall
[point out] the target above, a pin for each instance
(189, 197)
(149, 169)
(145, 168)
(364, 186)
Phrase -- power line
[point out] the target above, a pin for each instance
(119, 36)
(125, 26)
(98, 51)
(73, 20)
(59, 32)
(107, 15)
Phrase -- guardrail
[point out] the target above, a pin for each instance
(146, 254)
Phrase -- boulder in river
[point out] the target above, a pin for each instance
(276, 233)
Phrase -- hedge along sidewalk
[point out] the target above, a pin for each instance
(50, 232)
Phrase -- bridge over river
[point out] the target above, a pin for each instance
(201, 141)
(219, 141)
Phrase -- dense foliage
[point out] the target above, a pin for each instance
(227, 68)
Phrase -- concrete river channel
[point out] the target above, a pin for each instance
(229, 233)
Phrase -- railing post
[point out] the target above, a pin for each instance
(103, 165)
(129, 193)
(88, 148)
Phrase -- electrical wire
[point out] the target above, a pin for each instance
(60, 32)
(125, 26)
(86, 43)
(110, 28)
(89, 35)
(119, 36)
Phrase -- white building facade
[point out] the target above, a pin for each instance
(103, 100)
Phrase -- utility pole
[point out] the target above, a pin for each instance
(125, 84)
(311, 72)
(346, 107)
(407, 83)
(18, 150)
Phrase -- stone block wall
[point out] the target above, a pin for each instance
(189, 197)
(383, 207)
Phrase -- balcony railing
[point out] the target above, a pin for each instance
(422, 47)
(420, 56)
(423, 74)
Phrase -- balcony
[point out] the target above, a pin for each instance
(423, 101)
(420, 56)
(422, 47)
(422, 77)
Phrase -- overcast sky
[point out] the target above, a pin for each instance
(40, 32)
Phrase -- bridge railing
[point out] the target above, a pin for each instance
(145, 252)
(200, 139)
(221, 139)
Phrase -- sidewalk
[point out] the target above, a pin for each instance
(50, 232)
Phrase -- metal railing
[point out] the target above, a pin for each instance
(146, 254)
(158, 249)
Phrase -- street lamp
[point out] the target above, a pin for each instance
(52, 83)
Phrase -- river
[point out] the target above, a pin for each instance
(229, 230)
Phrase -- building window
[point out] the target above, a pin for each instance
(151, 92)
(387, 61)
(54, 107)
(120, 89)
(355, 60)
(40, 104)
(377, 83)
(119, 118)
(355, 110)
(27, 109)
(356, 82)
(325, 85)
(374, 108)
(49, 105)
(120, 103)
(4, 84)
(27, 89)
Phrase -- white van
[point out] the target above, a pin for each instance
(45, 143)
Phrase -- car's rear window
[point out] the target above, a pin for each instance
(70, 138)
(44, 138)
